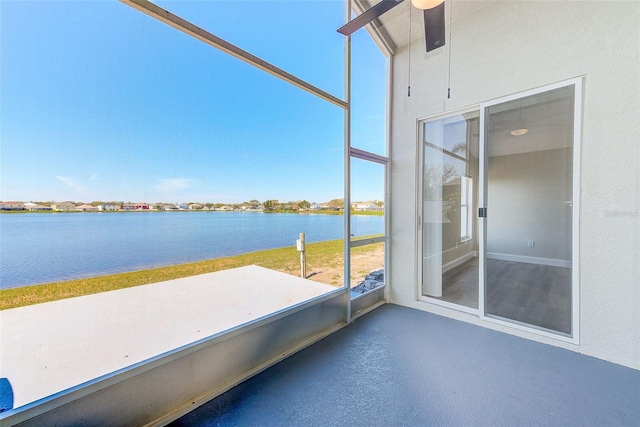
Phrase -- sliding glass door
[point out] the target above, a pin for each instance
(529, 182)
(498, 210)
(449, 215)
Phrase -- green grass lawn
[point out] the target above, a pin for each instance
(282, 259)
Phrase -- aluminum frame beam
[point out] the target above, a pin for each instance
(186, 27)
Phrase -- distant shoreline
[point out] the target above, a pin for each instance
(322, 257)
(313, 212)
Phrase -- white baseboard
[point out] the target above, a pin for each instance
(553, 262)
(458, 261)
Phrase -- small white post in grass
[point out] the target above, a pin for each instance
(303, 260)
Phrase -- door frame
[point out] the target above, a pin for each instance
(574, 338)
(419, 208)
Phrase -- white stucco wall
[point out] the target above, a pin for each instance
(517, 216)
(510, 46)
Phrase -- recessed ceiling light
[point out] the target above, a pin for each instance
(519, 132)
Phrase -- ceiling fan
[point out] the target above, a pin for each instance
(433, 11)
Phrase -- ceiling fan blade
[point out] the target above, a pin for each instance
(367, 16)
(434, 27)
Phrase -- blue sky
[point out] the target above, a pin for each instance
(101, 102)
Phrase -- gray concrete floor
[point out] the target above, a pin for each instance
(399, 366)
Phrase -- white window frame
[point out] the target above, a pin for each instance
(466, 205)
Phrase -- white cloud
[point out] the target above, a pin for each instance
(71, 183)
(169, 185)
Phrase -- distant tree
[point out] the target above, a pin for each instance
(304, 205)
(336, 203)
(435, 176)
(270, 205)
(254, 203)
(460, 149)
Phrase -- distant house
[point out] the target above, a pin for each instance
(108, 207)
(12, 206)
(170, 208)
(225, 208)
(329, 207)
(141, 207)
(365, 206)
(36, 207)
(63, 207)
(86, 208)
(195, 207)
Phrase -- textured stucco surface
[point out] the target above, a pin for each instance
(506, 47)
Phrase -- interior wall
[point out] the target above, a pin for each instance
(527, 198)
(505, 47)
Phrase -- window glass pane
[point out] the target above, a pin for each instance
(367, 222)
(167, 152)
(449, 188)
(529, 210)
(367, 199)
(368, 100)
(367, 268)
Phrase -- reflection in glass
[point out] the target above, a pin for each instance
(450, 249)
(529, 206)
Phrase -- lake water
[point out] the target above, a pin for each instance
(49, 247)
